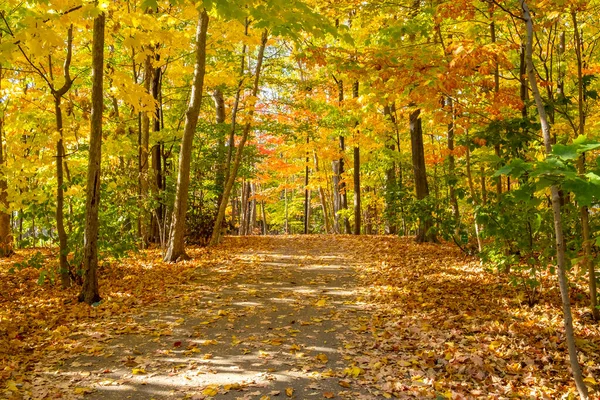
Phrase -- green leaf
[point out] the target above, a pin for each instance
(566, 152)
(153, 4)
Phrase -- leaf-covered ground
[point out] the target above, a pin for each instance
(291, 317)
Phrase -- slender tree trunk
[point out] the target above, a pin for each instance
(340, 169)
(391, 186)
(6, 240)
(285, 197)
(60, 154)
(243, 209)
(176, 249)
(524, 90)
(264, 217)
(60, 200)
(253, 209)
(583, 210)
(220, 120)
(216, 235)
(473, 196)
(89, 291)
(496, 90)
(322, 196)
(558, 228)
(248, 209)
(159, 216)
(452, 168)
(144, 141)
(234, 111)
(357, 206)
(337, 201)
(420, 174)
(306, 192)
(234, 210)
(483, 185)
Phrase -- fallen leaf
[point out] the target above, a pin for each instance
(211, 390)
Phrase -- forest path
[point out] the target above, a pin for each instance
(269, 321)
(292, 317)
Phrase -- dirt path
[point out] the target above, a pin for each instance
(302, 317)
(270, 321)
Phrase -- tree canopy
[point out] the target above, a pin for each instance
(127, 125)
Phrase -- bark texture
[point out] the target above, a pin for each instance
(176, 249)
(65, 277)
(357, 205)
(555, 198)
(90, 292)
(420, 175)
(6, 240)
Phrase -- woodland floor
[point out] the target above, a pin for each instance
(303, 317)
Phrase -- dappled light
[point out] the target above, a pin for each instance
(353, 318)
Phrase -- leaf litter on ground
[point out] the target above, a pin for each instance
(335, 317)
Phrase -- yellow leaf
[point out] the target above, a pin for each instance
(211, 390)
(82, 390)
(12, 386)
(138, 371)
(289, 392)
(590, 381)
(322, 357)
(353, 371)
(321, 303)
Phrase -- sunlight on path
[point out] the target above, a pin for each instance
(302, 317)
(269, 322)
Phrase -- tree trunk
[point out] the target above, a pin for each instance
(391, 185)
(6, 240)
(176, 249)
(158, 217)
(357, 208)
(264, 218)
(340, 171)
(337, 200)
(144, 142)
(322, 197)
(253, 209)
(558, 228)
(306, 192)
(420, 174)
(243, 208)
(234, 111)
(216, 235)
(483, 185)
(60, 200)
(220, 120)
(583, 210)
(286, 224)
(452, 168)
(65, 277)
(473, 196)
(89, 291)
